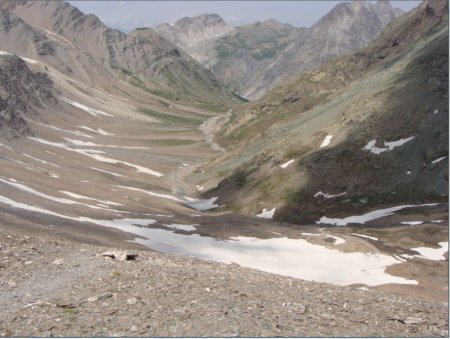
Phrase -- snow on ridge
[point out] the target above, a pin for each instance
(362, 219)
(412, 223)
(328, 196)
(96, 154)
(91, 111)
(97, 131)
(202, 204)
(266, 213)
(438, 160)
(389, 145)
(326, 141)
(286, 164)
(364, 236)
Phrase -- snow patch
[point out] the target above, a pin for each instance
(364, 236)
(108, 172)
(326, 141)
(97, 131)
(95, 154)
(91, 111)
(389, 146)
(362, 219)
(268, 214)
(202, 204)
(328, 196)
(430, 253)
(286, 164)
(411, 222)
(438, 160)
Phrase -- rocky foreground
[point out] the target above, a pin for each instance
(54, 288)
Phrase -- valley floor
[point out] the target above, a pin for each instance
(56, 288)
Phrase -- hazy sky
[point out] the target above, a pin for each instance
(127, 15)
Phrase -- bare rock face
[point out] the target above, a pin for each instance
(346, 27)
(192, 31)
(75, 42)
(22, 92)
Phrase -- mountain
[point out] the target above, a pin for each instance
(348, 26)
(62, 35)
(362, 131)
(235, 55)
(189, 32)
(22, 92)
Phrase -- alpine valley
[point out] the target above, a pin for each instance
(205, 179)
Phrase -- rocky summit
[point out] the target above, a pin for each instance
(142, 194)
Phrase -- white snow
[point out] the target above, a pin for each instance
(328, 196)
(95, 154)
(364, 236)
(159, 195)
(97, 131)
(389, 145)
(202, 204)
(281, 256)
(79, 196)
(431, 253)
(91, 144)
(277, 255)
(108, 172)
(438, 160)
(411, 222)
(286, 164)
(41, 161)
(408, 173)
(326, 141)
(268, 214)
(436, 112)
(77, 133)
(14, 183)
(92, 111)
(338, 240)
(437, 221)
(7, 147)
(200, 188)
(182, 227)
(362, 219)
(312, 234)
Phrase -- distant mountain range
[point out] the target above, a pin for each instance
(252, 59)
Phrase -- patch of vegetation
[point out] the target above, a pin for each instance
(173, 142)
(268, 53)
(296, 151)
(294, 196)
(169, 118)
(241, 99)
(240, 178)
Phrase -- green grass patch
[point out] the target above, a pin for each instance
(169, 118)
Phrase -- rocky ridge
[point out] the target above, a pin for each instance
(74, 43)
(22, 92)
(347, 27)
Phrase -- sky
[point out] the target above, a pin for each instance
(127, 15)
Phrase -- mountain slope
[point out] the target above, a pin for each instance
(141, 57)
(346, 27)
(365, 130)
(22, 92)
(235, 55)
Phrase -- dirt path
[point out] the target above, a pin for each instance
(210, 126)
